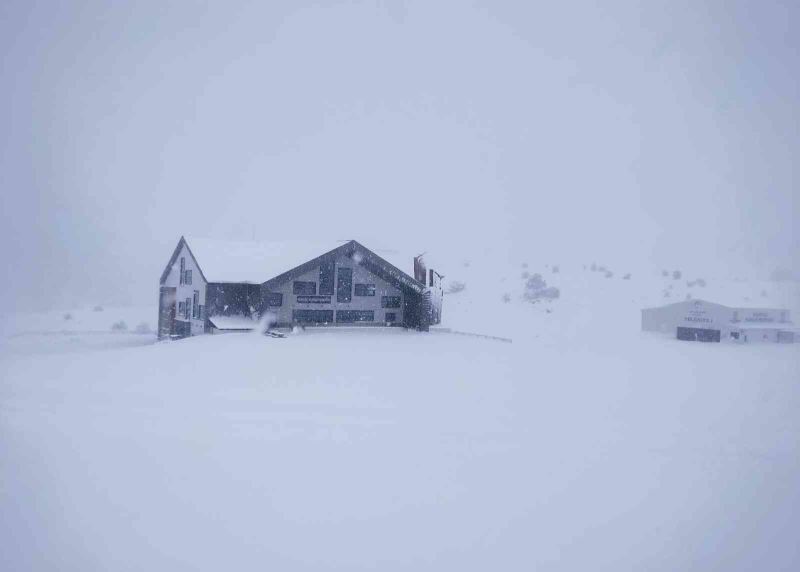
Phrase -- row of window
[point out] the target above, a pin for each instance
(306, 294)
(342, 316)
(192, 307)
(186, 275)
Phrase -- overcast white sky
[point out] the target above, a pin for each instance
(666, 130)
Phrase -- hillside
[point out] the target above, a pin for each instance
(584, 444)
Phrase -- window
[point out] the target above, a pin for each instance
(183, 269)
(196, 305)
(201, 312)
(365, 289)
(274, 299)
(188, 277)
(181, 310)
(187, 307)
(326, 271)
(304, 288)
(431, 276)
(312, 316)
(344, 285)
(390, 301)
(391, 317)
(347, 316)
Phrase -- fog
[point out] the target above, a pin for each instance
(666, 133)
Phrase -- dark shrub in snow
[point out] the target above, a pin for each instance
(98, 308)
(120, 326)
(555, 269)
(506, 297)
(676, 275)
(627, 276)
(665, 273)
(593, 267)
(456, 287)
(536, 289)
(700, 282)
(67, 316)
(609, 274)
(526, 275)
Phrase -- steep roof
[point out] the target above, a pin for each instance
(254, 262)
(225, 261)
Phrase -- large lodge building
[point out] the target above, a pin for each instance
(210, 286)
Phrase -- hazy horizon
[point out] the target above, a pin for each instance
(665, 134)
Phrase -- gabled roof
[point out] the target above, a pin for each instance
(223, 261)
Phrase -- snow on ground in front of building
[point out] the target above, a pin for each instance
(584, 444)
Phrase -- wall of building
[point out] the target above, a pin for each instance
(690, 314)
(361, 275)
(184, 291)
(707, 315)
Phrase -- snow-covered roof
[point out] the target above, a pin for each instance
(236, 322)
(257, 262)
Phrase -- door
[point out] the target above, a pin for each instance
(166, 312)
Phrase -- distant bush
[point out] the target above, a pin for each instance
(556, 269)
(526, 275)
(506, 297)
(676, 274)
(627, 276)
(456, 287)
(593, 267)
(120, 326)
(609, 274)
(524, 264)
(466, 263)
(143, 328)
(98, 308)
(536, 289)
(700, 282)
(67, 316)
(665, 273)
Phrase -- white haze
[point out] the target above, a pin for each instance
(659, 133)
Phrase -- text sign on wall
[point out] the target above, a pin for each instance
(313, 299)
(698, 314)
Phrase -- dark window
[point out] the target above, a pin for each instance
(698, 334)
(390, 301)
(274, 299)
(201, 312)
(187, 308)
(181, 310)
(391, 317)
(304, 288)
(188, 278)
(196, 305)
(183, 270)
(312, 316)
(355, 316)
(326, 270)
(365, 289)
(344, 285)
(431, 275)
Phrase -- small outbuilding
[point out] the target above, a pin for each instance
(211, 286)
(702, 321)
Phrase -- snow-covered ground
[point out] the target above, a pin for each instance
(583, 445)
